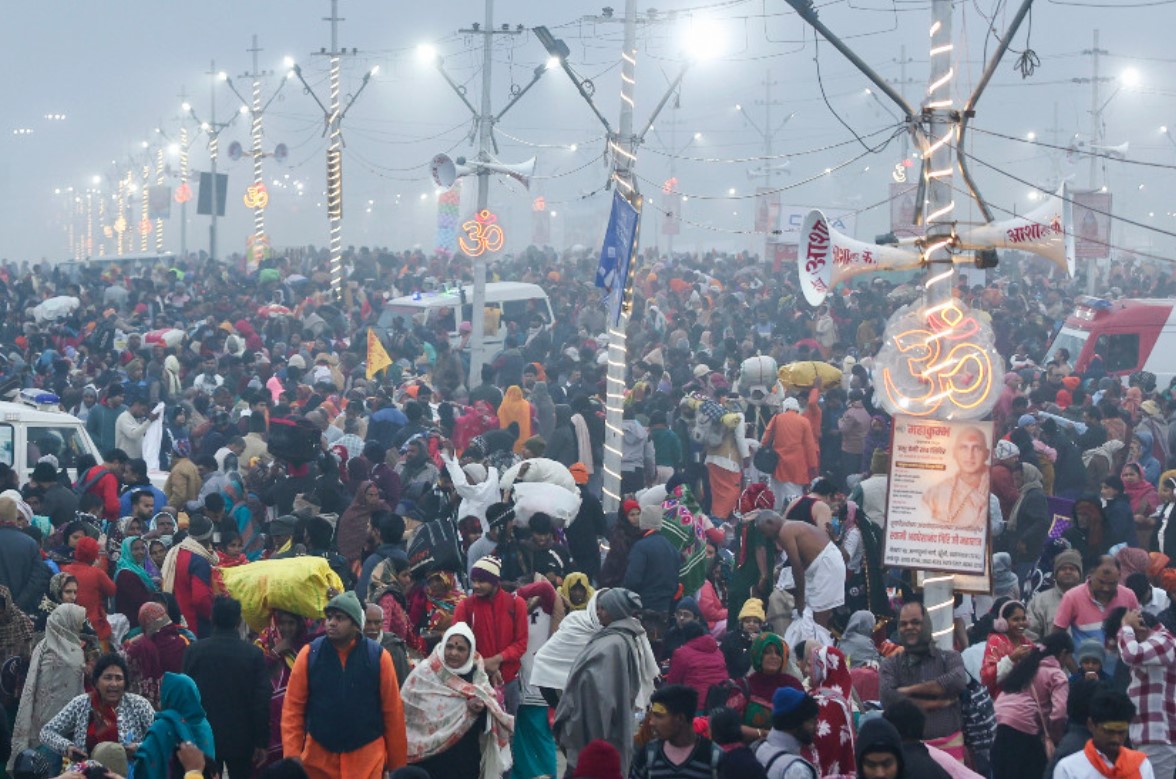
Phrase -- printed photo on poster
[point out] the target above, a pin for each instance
(1092, 225)
(937, 512)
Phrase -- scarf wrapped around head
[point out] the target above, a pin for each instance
(515, 408)
(437, 714)
(571, 581)
(757, 496)
(761, 643)
(16, 629)
(181, 718)
(1131, 560)
(126, 562)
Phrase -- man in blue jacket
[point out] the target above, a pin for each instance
(652, 571)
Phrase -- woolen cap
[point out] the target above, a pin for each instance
(488, 569)
(347, 603)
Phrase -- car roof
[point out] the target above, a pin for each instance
(497, 290)
(19, 412)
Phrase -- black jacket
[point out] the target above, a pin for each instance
(234, 689)
(22, 570)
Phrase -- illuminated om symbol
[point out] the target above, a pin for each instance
(256, 196)
(483, 233)
(960, 375)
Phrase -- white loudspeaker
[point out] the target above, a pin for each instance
(1119, 151)
(1045, 231)
(825, 258)
(521, 172)
(443, 170)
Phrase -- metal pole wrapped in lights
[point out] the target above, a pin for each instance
(333, 114)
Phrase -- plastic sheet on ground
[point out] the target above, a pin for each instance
(298, 585)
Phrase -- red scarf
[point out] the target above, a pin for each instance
(1126, 765)
(103, 724)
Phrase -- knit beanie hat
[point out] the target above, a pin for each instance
(488, 569)
(790, 404)
(1091, 649)
(598, 760)
(153, 617)
(499, 514)
(753, 607)
(1026, 420)
(628, 506)
(651, 518)
(786, 699)
(1068, 557)
(1006, 450)
(579, 475)
(347, 603)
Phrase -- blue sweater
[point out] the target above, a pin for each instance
(652, 572)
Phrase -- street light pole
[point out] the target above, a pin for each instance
(333, 128)
(213, 148)
(485, 127)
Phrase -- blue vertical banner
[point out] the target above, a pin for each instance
(616, 255)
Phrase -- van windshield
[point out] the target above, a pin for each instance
(1069, 339)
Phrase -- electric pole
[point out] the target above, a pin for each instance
(333, 114)
(766, 133)
(485, 125)
(213, 147)
(1096, 135)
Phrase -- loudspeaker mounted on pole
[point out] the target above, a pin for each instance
(1046, 231)
(825, 258)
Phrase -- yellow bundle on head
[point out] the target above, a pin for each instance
(298, 585)
(806, 373)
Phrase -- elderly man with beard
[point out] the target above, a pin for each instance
(931, 677)
(612, 676)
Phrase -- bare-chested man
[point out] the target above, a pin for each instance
(817, 564)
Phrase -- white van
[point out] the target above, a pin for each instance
(506, 301)
(34, 425)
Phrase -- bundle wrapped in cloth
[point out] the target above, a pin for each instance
(299, 585)
(805, 374)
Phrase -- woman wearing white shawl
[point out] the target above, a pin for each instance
(452, 714)
(56, 675)
(555, 658)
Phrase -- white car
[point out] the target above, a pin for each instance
(34, 426)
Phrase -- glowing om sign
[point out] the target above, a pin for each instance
(483, 233)
(940, 364)
(256, 196)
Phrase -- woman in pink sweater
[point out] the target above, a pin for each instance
(1031, 709)
(698, 663)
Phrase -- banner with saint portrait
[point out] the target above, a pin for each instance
(937, 515)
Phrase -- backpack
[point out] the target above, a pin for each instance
(979, 717)
(86, 482)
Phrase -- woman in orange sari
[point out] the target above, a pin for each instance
(515, 408)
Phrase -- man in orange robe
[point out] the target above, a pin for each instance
(343, 718)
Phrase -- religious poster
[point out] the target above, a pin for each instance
(937, 499)
(767, 209)
(903, 210)
(1092, 225)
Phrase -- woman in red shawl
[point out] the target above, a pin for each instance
(476, 420)
(94, 586)
(432, 607)
(159, 649)
(832, 748)
(1143, 498)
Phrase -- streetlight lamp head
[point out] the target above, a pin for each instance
(205, 126)
(96, 180)
(288, 63)
(1032, 136)
(703, 40)
(186, 107)
(573, 147)
(243, 110)
(1130, 77)
(698, 136)
(222, 76)
(427, 53)
(173, 148)
(374, 71)
(553, 63)
(738, 107)
(1163, 129)
(144, 144)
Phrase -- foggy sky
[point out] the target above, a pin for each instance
(116, 71)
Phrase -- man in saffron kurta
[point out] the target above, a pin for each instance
(343, 718)
(791, 436)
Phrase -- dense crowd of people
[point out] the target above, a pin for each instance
(286, 564)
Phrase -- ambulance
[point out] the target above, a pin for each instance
(1129, 335)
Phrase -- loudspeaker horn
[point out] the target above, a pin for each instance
(825, 258)
(443, 170)
(521, 172)
(1119, 151)
(1045, 231)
